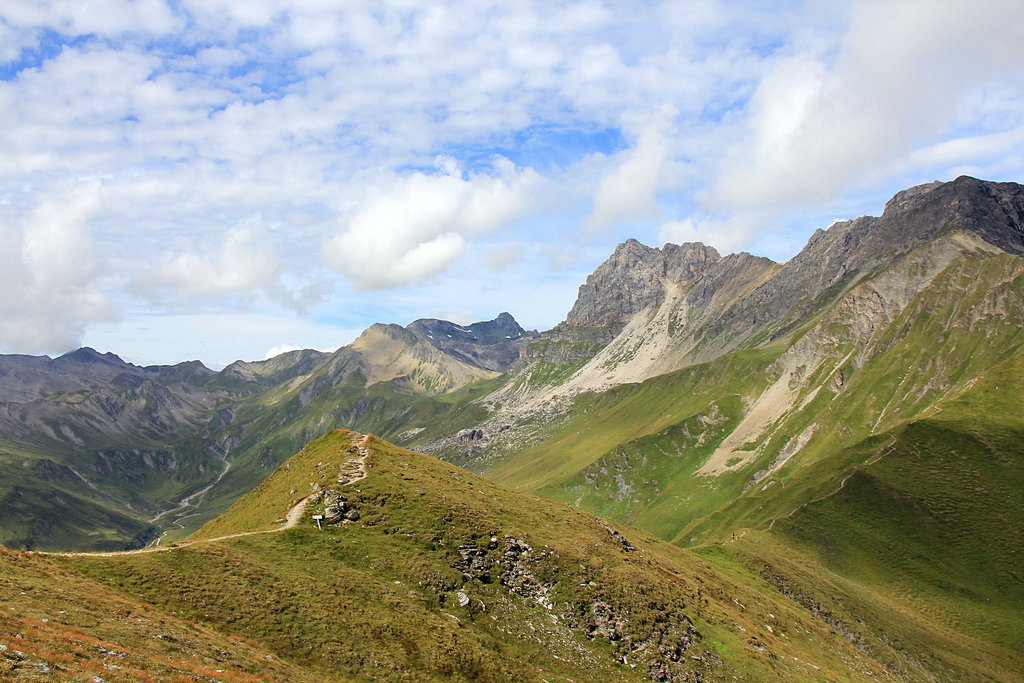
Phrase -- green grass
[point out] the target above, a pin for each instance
(378, 598)
(601, 421)
(57, 624)
(901, 513)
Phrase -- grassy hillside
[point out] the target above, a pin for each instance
(167, 449)
(59, 625)
(889, 484)
(444, 575)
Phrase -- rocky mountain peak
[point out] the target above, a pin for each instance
(994, 211)
(489, 344)
(916, 216)
(635, 277)
(386, 330)
(89, 355)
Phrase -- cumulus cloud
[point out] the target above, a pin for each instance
(727, 235)
(243, 264)
(49, 275)
(423, 223)
(627, 189)
(828, 118)
(626, 192)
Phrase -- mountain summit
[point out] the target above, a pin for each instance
(491, 345)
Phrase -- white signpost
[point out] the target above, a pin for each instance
(317, 519)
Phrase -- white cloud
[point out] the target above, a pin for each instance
(48, 287)
(422, 223)
(279, 349)
(103, 17)
(627, 190)
(244, 264)
(826, 119)
(243, 261)
(726, 235)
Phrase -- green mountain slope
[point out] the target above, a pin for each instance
(871, 464)
(443, 575)
(134, 452)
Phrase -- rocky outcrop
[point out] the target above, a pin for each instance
(633, 279)
(337, 508)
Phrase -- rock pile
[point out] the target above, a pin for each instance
(337, 509)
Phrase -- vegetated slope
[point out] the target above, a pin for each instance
(921, 539)
(59, 625)
(98, 453)
(879, 444)
(666, 309)
(440, 575)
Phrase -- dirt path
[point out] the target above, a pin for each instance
(352, 471)
(291, 519)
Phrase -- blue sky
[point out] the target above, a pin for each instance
(221, 179)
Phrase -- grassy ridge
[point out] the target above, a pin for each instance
(380, 597)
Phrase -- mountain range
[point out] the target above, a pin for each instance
(834, 439)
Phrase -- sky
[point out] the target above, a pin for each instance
(229, 179)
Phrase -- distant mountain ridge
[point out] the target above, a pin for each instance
(491, 345)
(23, 378)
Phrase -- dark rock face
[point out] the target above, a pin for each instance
(834, 258)
(994, 211)
(492, 344)
(633, 279)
